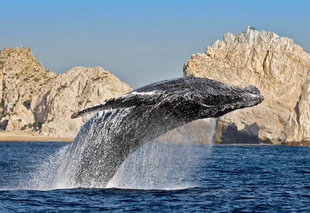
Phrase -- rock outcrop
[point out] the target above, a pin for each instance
(40, 102)
(36, 101)
(275, 64)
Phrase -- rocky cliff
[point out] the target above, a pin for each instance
(279, 67)
(40, 102)
(36, 101)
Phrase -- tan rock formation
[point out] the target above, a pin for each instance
(278, 67)
(39, 101)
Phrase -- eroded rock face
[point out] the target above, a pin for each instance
(298, 126)
(39, 101)
(280, 69)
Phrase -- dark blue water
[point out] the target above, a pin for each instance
(216, 179)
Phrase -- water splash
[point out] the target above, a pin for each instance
(167, 166)
(157, 166)
(153, 166)
(48, 174)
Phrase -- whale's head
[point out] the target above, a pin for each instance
(217, 98)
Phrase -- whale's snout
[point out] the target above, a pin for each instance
(254, 95)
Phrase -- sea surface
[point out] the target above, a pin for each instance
(163, 178)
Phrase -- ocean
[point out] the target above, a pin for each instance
(163, 178)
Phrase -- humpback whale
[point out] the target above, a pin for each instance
(123, 124)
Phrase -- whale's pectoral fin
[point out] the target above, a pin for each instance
(125, 101)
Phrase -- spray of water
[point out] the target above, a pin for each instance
(47, 176)
(162, 165)
(153, 166)
(158, 166)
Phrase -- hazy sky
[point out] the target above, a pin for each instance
(140, 41)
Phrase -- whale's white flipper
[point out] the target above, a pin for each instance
(125, 101)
